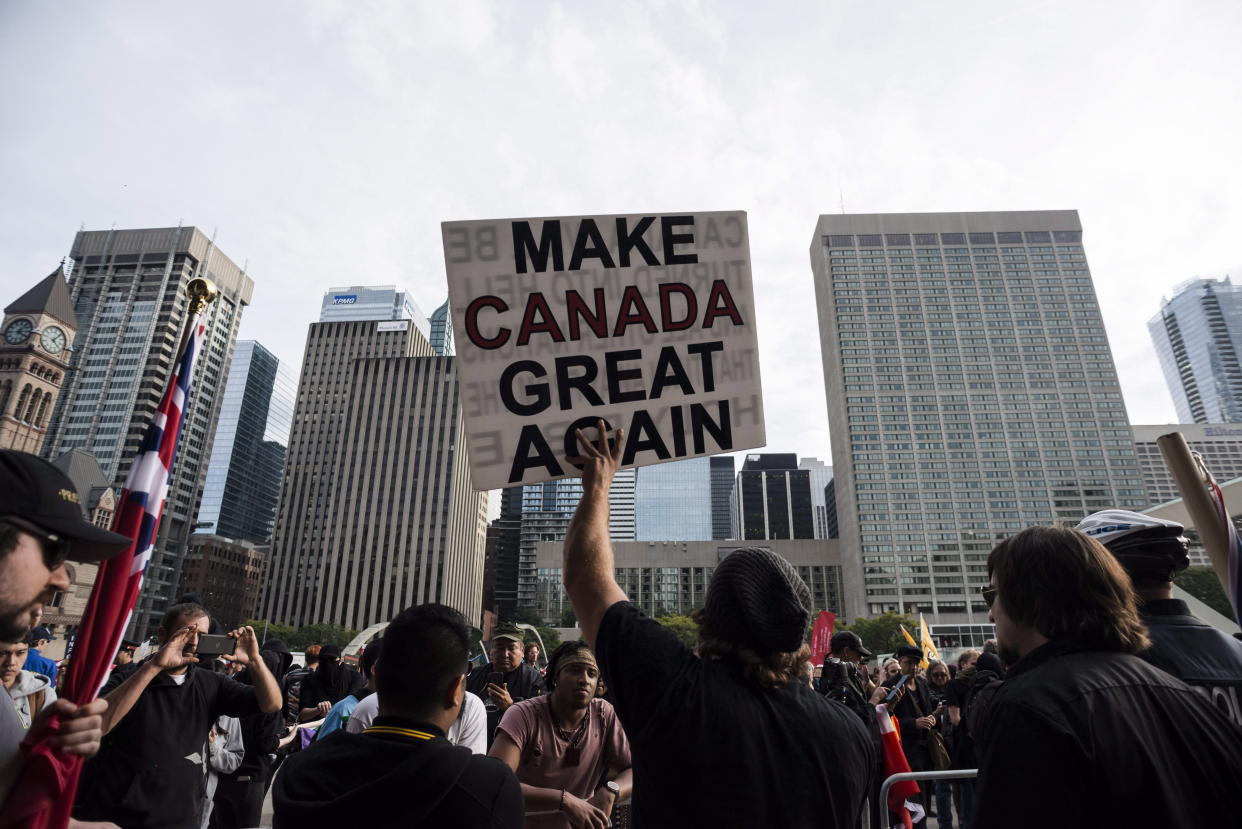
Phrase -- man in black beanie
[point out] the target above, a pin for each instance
(730, 735)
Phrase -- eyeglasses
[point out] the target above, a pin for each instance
(55, 548)
(989, 594)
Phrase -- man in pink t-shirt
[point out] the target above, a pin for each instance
(567, 747)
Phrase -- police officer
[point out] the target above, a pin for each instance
(1152, 551)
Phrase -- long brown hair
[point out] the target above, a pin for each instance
(1063, 583)
(768, 670)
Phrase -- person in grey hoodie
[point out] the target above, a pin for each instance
(31, 692)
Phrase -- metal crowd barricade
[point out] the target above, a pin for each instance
(947, 774)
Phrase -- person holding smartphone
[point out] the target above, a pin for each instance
(159, 710)
(506, 679)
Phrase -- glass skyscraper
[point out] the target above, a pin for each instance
(1198, 336)
(373, 302)
(773, 498)
(971, 393)
(673, 501)
(442, 331)
(248, 455)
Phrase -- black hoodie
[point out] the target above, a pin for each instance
(410, 776)
(261, 732)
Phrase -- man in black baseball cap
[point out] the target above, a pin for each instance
(42, 525)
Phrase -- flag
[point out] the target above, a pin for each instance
(43, 797)
(821, 636)
(909, 638)
(900, 793)
(1232, 579)
(929, 647)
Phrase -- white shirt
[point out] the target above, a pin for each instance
(469, 729)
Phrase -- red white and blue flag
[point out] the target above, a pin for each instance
(44, 795)
(902, 793)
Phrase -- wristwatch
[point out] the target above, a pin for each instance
(614, 787)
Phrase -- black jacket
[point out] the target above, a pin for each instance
(523, 682)
(1108, 740)
(379, 780)
(1196, 653)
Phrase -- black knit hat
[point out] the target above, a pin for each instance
(757, 599)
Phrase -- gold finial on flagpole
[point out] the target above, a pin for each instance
(201, 292)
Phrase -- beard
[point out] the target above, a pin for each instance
(15, 626)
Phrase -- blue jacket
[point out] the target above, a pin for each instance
(40, 664)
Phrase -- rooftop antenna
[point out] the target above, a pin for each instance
(841, 195)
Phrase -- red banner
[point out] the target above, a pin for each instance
(821, 636)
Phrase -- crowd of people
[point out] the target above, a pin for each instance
(1101, 702)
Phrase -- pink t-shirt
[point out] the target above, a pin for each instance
(603, 746)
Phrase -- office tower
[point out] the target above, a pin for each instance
(546, 511)
(504, 543)
(723, 480)
(373, 302)
(1198, 335)
(248, 455)
(227, 575)
(35, 352)
(1221, 450)
(672, 576)
(773, 498)
(971, 393)
(377, 511)
(442, 331)
(127, 289)
(821, 476)
(673, 501)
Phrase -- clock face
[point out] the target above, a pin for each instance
(18, 332)
(53, 340)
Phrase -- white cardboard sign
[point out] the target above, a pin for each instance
(645, 321)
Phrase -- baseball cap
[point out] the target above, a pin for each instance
(1144, 545)
(847, 639)
(34, 491)
(39, 633)
(508, 630)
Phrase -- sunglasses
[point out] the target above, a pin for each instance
(989, 594)
(55, 548)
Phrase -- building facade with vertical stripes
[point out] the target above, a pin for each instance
(377, 511)
(127, 288)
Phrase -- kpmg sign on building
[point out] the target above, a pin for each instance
(644, 321)
(345, 299)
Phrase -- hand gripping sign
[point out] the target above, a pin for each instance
(645, 321)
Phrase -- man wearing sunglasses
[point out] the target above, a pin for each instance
(41, 526)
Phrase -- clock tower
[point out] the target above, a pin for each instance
(36, 343)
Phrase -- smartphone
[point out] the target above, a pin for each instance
(496, 679)
(209, 645)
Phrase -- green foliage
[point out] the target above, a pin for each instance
(569, 619)
(682, 625)
(1203, 583)
(551, 639)
(298, 639)
(881, 634)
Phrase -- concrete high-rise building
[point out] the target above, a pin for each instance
(377, 511)
(127, 290)
(1220, 447)
(821, 477)
(723, 481)
(442, 331)
(1198, 337)
(546, 512)
(672, 576)
(673, 501)
(248, 456)
(35, 352)
(773, 498)
(971, 393)
(226, 574)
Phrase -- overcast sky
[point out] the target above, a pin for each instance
(324, 142)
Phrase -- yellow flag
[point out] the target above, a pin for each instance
(906, 634)
(929, 647)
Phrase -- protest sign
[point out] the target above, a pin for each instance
(645, 321)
